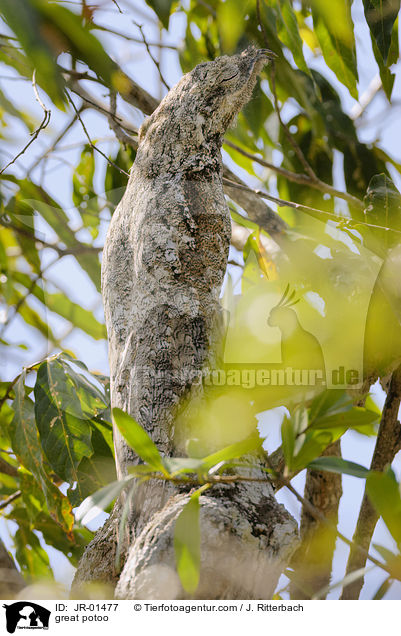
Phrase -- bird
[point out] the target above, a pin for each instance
(300, 349)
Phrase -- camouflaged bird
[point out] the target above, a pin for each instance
(166, 251)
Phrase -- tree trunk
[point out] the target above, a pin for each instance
(163, 267)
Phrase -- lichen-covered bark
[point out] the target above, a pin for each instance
(163, 266)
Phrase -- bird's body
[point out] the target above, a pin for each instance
(300, 349)
(167, 247)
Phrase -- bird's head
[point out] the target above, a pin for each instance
(196, 112)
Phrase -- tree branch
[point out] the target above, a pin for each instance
(302, 179)
(388, 443)
(92, 145)
(45, 121)
(10, 499)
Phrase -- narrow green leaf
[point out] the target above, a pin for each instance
(380, 16)
(138, 439)
(354, 418)
(187, 544)
(334, 29)
(330, 402)
(60, 304)
(179, 465)
(314, 444)
(287, 440)
(31, 556)
(288, 33)
(27, 24)
(383, 208)
(162, 8)
(91, 399)
(338, 465)
(248, 445)
(384, 493)
(89, 508)
(383, 589)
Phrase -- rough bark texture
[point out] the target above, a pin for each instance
(164, 262)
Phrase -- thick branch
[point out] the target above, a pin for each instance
(387, 445)
(313, 560)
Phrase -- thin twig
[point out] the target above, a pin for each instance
(82, 248)
(130, 38)
(55, 143)
(302, 159)
(109, 161)
(299, 206)
(155, 62)
(319, 516)
(388, 443)
(115, 127)
(10, 499)
(303, 179)
(116, 3)
(23, 299)
(366, 98)
(45, 121)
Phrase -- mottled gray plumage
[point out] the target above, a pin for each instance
(163, 267)
(167, 247)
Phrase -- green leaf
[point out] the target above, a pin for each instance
(230, 21)
(91, 399)
(27, 447)
(384, 493)
(383, 589)
(100, 499)
(60, 304)
(248, 445)
(256, 112)
(287, 440)
(64, 431)
(22, 217)
(26, 22)
(138, 439)
(380, 16)
(383, 208)
(32, 558)
(314, 444)
(179, 465)
(288, 33)
(353, 418)
(386, 76)
(334, 408)
(338, 465)
(334, 29)
(162, 8)
(35, 196)
(187, 544)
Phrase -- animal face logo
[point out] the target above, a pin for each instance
(26, 615)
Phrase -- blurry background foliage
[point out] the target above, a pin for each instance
(76, 80)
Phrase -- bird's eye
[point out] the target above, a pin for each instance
(227, 79)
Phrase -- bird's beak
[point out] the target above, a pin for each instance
(267, 53)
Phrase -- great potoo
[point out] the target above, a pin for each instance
(166, 250)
